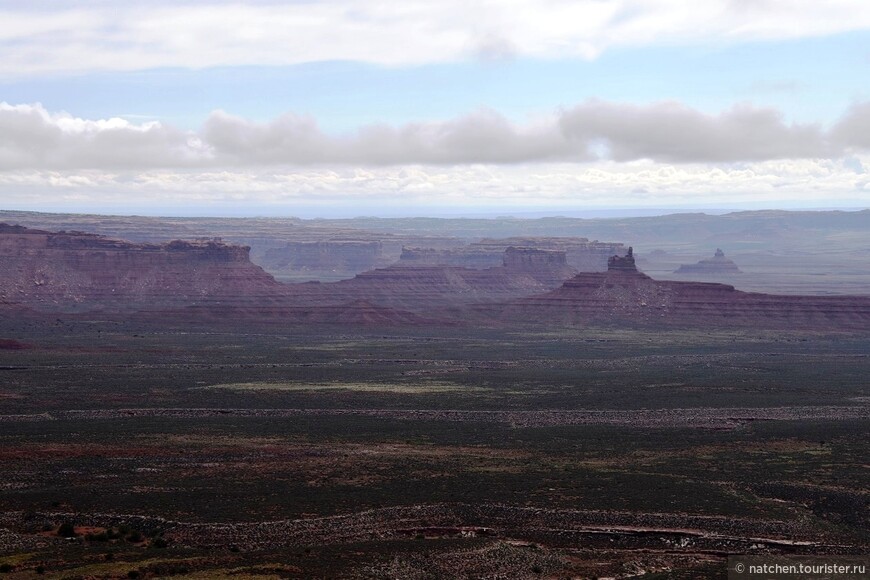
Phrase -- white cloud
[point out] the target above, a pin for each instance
(853, 129)
(41, 37)
(676, 133)
(33, 138)
(481, 137)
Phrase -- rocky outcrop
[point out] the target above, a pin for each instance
(532, 258)
(580, 253)
(311, 253)
(716, 265)
(625, 263)
(207, 280)
(73, 272)
(623, 296)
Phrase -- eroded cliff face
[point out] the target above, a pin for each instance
(332, 256)
(423, 288)
(580, 253)
(70, 272)
(625, 297)
(532, 258)
(73, 271)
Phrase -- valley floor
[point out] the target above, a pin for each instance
(425, 453)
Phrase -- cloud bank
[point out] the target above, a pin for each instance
(33, 138)
(807, 183)
(41, 37)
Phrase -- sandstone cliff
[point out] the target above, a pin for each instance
(73, 271)
(209, 281)
(624, 296)
(580, 253)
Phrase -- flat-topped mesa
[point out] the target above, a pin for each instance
(74, 271)
(417, 256)
(14, 237)
(718, 264)
(622, 263)
(532, 258)
(210, 250)
(580, 253)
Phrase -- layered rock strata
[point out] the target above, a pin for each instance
(624, 296)
(73, 271)
(207, 280)
(580, 253)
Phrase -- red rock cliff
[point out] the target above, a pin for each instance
(629, 297)
(73, 271)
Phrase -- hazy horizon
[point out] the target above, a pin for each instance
(399, 213)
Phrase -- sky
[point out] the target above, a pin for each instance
(345, 107)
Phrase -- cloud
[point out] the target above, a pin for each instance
(46, 37)
(481, 137)
(675, 133)
(287, 139)
(495, 48)
(853, 129)
(31, 137)
(669, 132)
